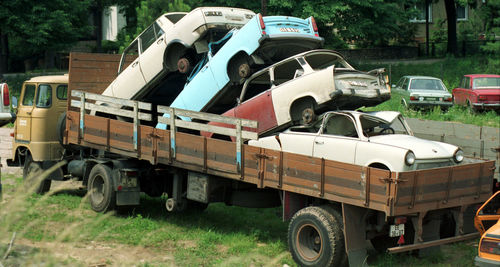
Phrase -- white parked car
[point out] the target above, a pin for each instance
(378, 139)
(6, 115)
(172, 43)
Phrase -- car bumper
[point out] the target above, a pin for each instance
(482, 262)
(429, 104)
(7, 117)
(486, 105)
(352, 99)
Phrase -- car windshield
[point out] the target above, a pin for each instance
(426, 84)
(373, 126)
(319, 61)
(486, 82)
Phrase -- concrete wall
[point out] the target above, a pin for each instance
(476, 141)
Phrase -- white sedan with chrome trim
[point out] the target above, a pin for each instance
(380, 139)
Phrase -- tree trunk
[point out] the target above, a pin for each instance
(263, 7)
(98, 11)
(451, 15)
(4, 54)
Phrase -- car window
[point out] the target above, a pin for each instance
(158, 30)
(44, 96)
(339, 124)
(373, 126)
(287, 71)
(405, 83)
(426, 84)
(323, 60)
(129, 54)
(467, 83)
(256, 86)
(486, 82)
(174, 17)
(29, 95)
(147, 37)
(62, 92)
(400, 82)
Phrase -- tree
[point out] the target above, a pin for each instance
(33, 27)
(491, 15)
(366, 23)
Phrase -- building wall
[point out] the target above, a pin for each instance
(112, 22)
(439, 13)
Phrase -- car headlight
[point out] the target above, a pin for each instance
(458, 156)
(409, 158)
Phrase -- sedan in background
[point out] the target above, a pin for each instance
(422, 92)
(380, 139)
(478, 92)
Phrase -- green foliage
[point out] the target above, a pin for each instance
(491, 14)
(43, 25)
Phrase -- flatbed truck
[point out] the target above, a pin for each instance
(333, 207)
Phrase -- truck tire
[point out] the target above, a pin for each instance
(32, 173)
(102, 195)
(315, 238)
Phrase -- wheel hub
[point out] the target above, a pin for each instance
(309, 242)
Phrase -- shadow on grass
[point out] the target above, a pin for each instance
(263, 223)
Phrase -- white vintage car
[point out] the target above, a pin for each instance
(377, 139)
(170, 44)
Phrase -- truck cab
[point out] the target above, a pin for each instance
(41, 102)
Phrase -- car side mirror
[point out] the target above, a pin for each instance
(14, 102)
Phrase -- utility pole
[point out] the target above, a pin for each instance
(263, 7)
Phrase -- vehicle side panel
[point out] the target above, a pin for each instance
(260, 108)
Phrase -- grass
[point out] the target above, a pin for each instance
(455, 113)
(59, 229)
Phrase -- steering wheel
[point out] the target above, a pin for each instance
(387, 130)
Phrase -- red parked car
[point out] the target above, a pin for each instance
(478, 92)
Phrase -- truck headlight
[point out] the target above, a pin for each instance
(458, 156)
(409, 158)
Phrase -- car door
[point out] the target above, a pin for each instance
(44, 130)
(488, 214)
(24, 112)
(153, 46)
(130, 80)
(338, 139)
(256, 102)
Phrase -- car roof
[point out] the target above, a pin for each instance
(50, 79)
(482, 75)
(296, 56)
(420, 77)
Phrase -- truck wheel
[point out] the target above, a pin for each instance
(32, 173)
(100, 189)
(315, 238)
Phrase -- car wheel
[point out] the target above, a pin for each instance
(303, 112)
(183, 65)
(33, 177)
(315, 238)
(239, 68)
(100, 189)
(470, 107)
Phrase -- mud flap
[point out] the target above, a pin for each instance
(128, 198)
(354, 234)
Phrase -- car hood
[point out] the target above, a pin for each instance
(437, 93)
(423, 149)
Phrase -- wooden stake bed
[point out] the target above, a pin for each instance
(389, 192)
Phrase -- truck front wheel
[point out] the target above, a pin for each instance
(100, 189)
(315, 238)
(34, 178)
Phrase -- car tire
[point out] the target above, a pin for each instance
(32, 173)
(303, 112)
(239, 68)
(102, 196)
(315, 238)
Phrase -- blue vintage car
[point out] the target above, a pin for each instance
(261, 42)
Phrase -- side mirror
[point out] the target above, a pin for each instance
(238, 101)
(14, 102)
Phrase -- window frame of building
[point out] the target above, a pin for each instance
(416, 20)
(466, 12)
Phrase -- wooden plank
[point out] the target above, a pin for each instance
(205, 117)
(209, 128)
(111, 110)
(112, 100)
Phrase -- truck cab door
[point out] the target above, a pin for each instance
(488, 214)
(24, 113)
